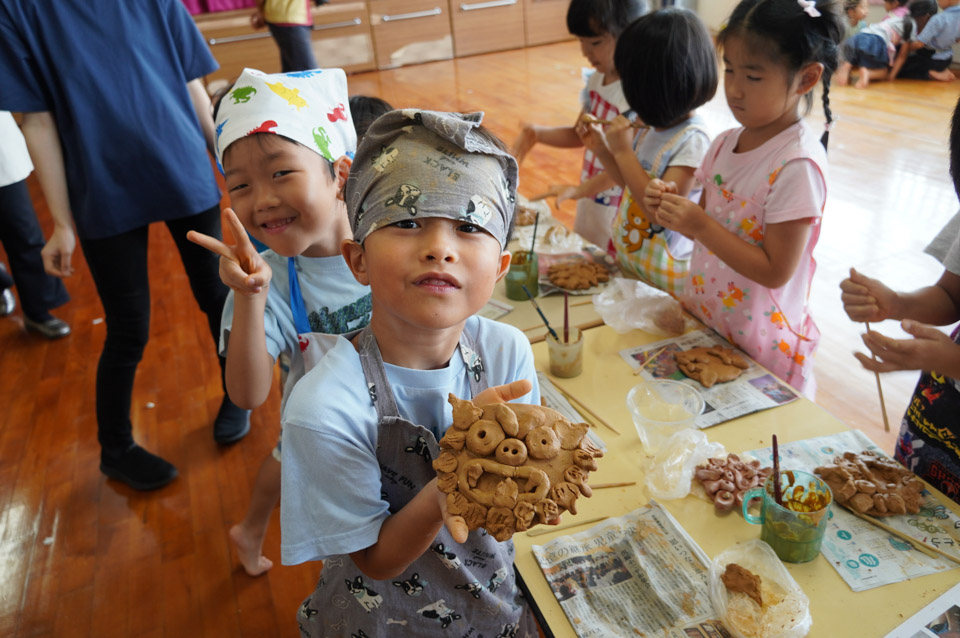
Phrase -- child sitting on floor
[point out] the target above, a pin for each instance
(933, 48)
(285, 165)
(929, 430)
(431, 204)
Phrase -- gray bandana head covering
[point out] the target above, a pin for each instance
(414, 163)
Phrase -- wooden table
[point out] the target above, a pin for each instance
(836, 610)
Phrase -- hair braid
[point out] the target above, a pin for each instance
(825, 138)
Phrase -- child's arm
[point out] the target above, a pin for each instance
(563, 192)
(531, 134)
(930, 349)
(43, 141)
(249, 371)
(770, 264)
(201, 104)
(902, 54)
(866, 299)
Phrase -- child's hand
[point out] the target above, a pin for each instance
(866, 299)
(524, 142)
(503, 393)
(619, 135)
(241, 266)
(562, 192)
(929, 350)
(256, 20)
(654, 192)
(456, 525)
(592, 136)
(679, 214)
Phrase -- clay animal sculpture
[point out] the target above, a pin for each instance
(872, 484)
(509, 466)
(711, 365)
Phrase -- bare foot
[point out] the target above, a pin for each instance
(248, 550)
(842, 76)
(944, 76)
(863, 81)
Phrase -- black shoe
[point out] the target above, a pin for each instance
(138, 468)
(7, 302)
(232, 424)
(51, 328)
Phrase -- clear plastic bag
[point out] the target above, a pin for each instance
(786, 609)
(671, 473)
(627, 304)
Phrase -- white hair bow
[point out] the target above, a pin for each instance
(810, 7)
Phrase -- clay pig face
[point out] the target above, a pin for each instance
(508, 466)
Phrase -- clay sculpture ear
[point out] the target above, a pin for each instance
(506, 467)
(464, 412)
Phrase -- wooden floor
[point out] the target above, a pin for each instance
(81, 556)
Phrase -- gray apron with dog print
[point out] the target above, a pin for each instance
(452, 590)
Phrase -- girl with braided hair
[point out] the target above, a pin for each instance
(758, 220)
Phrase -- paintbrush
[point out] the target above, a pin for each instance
(553, 333)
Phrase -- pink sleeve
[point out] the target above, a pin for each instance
(702, 174)
(798, 191)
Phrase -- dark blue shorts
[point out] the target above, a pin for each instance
(866, 50)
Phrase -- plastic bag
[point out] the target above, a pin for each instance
(672, 471)
(786, 609)
(627, 304)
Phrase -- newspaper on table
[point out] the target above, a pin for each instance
(494, 309)
(936, 619)
(753, 391)
(864, 555)
(639, 574)
(551, 397)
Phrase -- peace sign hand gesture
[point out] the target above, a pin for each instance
(241, 266)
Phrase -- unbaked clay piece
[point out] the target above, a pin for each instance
(509, 466)
(871, 484)
(736, 578)
(726, 480)
(525, 215)
(711, 365)
(578, 275)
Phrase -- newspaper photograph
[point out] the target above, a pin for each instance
(753, 391)
(639, 574)
(939, 619)
(864, 555)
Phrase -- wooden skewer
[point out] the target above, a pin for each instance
(883, 406)
(603, 486)
(919, 545)
(549, 529)
(588, 410)
(581, 303)
(651, 358)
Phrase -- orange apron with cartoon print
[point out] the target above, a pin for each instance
(771, 325)
(641, 248)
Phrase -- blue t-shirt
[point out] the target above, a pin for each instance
(330, 502)
(941, 32)
(335, 303)
(114, 75)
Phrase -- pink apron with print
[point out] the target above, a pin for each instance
(771, 325)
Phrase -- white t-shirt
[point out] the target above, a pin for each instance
(334, 301)
(330, 502)
(15, 163)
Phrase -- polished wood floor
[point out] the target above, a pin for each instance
(81, 556)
